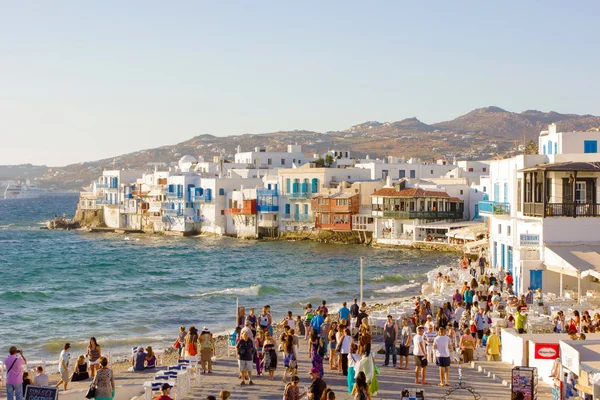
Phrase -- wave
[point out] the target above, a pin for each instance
(54, 346)
(13, 295)
(398, 288)
(254, 290)
(394, 278)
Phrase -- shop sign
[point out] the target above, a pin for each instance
(546, 351)
(528, 239)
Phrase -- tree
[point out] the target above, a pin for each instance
(531, 148)
(328, 160)
(320, 162)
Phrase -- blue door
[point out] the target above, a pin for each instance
(297, 209)
(476, 216)
(535, 279)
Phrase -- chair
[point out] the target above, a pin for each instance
(231, 344)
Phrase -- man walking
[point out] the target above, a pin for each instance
(441, 345)
(501, 278)
(405, 339)
(344, 314)
(492, 347)
(245, 352)
(420, 359)
(390, 332)
(14, 373)
(430, 336)
(482, 263)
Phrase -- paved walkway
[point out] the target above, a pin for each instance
(392, 381)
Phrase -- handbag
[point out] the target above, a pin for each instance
(177, 344)
(293, 364)
(91, 393)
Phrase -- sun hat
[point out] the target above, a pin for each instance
(313, 370)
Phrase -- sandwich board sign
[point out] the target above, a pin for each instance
(40, 393)
(413, 394)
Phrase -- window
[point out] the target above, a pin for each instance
(590, 146)
(499, 229)
(555, 147)
(269, 161)
(222, 212)
(384, 174)
(413, 174)
(544, 149)
(461, 191)
(431, 172)
(580, 192)
(287, 185)
(221, 192)
(288, 209)
(401, 174)
(549, 147)
(283, 161)
(306, 209)
(508, 230)
(484, 189)
(470, 169)
(484, 169)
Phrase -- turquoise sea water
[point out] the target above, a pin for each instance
(129, 290)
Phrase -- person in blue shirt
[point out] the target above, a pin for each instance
(468, 297)
(344, 313)
(317, 321)
(480, 326)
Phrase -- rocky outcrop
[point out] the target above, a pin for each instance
(90, 218)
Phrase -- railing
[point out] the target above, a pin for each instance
(494, 207)
(101, 186)
(266, 192)
(201, 199)
(175, 195)
(233, 211)
(268, 223)
(423, 214)
(299, 218)
(299, 195)
(173, 213)
(155, 219)
(568, 209)
(267, 208)
(321, 207)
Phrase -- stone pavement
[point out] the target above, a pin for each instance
(392, 381)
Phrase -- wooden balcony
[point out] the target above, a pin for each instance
(565, 209)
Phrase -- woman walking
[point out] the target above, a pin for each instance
(93, 355)
(467, 345)
(259, 342)
(191, 341)
(308, 316)
(332, 339)
(270, 356)
(361, 388)
(207, 348)
(353, 359)
(104, 381)
(317, 351)
(290, 360)
(181, 341)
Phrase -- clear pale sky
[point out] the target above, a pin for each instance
(84, 80)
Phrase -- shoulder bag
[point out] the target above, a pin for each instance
(91, 393)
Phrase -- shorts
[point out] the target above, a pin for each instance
(480, 334)
(332, 345)
(64, 375)
(403, 351)
(245, 365)
(97, 362)
(443, 361)
(421, 361)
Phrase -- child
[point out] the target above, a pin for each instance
(511, 321)
(486, 334)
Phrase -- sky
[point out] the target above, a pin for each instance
(83, 80)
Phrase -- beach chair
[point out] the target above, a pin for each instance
(231, 344)
(151, 387)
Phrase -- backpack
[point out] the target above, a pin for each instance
(320, 349)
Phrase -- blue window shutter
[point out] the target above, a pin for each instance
(287, 185)
(287, 209)
(401, 173)
(276, 185)
(544, 149)
(555, 147)
(413, 174)
(315, 185)
(549, 147)
(304, 188)
(269, 186)
(208, 194)
(222, 192)
(170, 188)
(297, 209)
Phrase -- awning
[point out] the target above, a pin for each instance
(448, 225)
(468, 233)
(478, 243)
(575, 259)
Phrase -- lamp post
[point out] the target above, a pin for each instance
(361, 280)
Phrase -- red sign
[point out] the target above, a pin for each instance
(546, 351)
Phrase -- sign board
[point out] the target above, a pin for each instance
(528, 239)
(546, 351)
(40, 393)
(413, 394)
(569, 357)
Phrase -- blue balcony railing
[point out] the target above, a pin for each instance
(267, 208)
(299, 195)
(494, 207)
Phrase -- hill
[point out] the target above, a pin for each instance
(489, 132)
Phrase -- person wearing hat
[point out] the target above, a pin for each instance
(165, 391)
(420, 358)
(248, 328)
(207, 347)
(317, 386)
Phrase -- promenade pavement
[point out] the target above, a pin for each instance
(391, 381)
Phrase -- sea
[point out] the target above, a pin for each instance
(137, 289)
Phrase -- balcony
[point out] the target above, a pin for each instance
(173, 213)
(101, 186)
(202, 199)
(567, 209)
(494, 207)
(266, 192)
(264, 208)
(297, 218)
(316, 207)
(175, 195)
(233, 211)
(420, 214)
(299, 195)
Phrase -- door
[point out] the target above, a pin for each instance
(580, 191)
(476, 216)
(503, 256)
(297, 210)
(535, 279)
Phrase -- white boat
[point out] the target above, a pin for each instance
(25, 190)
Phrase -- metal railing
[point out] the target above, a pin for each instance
(494, 207)
(299, 195)
(266, 192)
(422, 214)
(297, 217)
(565, 209)
(267, 208)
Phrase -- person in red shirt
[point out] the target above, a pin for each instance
(165, 391)
(509, 281)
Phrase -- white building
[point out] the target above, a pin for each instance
(399, 169)
(260, 157)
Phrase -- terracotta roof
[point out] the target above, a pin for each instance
(454, 199)
(409, 192)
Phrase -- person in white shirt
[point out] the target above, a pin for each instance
(441, 344)
(248, 330)
(420, 359)
(475, 298)
(429, 322)
(458, 314)
(429, 337)
(41, 379)
(493, 288)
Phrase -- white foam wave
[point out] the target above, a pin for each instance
(245, 291)
(397, 288)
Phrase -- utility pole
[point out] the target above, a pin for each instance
(361, 280)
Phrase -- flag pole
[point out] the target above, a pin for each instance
(361, 280)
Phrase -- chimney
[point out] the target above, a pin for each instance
(552, 129)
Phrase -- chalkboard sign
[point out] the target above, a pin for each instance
(41, 393)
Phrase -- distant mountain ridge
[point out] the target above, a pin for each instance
(489, 132)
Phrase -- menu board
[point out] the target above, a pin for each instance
(524, 383)
(40, 393)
